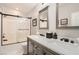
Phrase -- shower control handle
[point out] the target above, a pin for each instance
(3, 36)
(5, 40)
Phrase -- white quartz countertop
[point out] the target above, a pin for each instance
(57, 45)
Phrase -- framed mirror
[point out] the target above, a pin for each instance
(43, 18)
(67, 15)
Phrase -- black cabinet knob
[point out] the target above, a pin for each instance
(72, 41)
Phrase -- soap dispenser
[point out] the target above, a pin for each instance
(55, 35)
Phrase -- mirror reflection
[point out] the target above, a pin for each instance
(68, 14)
(43, 16)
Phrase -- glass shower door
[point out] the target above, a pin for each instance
(9, 30)
(23, 29)
(15, 29)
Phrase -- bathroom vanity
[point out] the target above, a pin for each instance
(43, 46)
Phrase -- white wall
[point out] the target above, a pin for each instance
(0, 29)
(52, 17)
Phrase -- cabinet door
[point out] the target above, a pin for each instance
(23, 29)
(9, 30)
(46, 52)
(37, 49)
(38, 52)
(31, 48)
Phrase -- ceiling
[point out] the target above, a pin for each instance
(68, 4)
(22, 7)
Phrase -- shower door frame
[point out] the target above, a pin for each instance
(2, 14)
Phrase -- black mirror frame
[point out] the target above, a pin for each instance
(46, 8)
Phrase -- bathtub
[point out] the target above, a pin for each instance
(14, 49)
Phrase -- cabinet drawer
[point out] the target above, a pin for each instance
(46, 52)
(38, 52)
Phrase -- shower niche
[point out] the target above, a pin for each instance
(14, 29)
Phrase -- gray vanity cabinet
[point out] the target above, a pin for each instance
(37, 49)
(34, 48)
(31, 50)
(46, 52)
(44, 46)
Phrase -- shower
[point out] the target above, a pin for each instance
(14, 29)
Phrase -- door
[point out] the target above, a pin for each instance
(15, 29)
(23, 29)
(9, 30)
